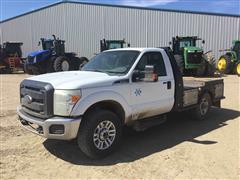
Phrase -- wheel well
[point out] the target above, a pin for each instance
(112, 106)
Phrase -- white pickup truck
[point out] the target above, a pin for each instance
(136, 87)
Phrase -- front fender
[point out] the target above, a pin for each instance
(84, 104)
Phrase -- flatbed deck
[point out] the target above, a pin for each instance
(195, 87)
(192, 82)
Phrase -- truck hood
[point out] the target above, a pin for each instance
(76, 79)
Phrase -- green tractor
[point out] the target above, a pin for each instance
(112, 44)
(190, 58)
(230, 61)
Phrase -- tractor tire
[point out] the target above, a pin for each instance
(180, 62)
(99, 133)
(211, 67)
(201, 71)
(61, 64)
(83, 61)
(224, 64)
(36, 71)
(26, 69)
(237, 68)
(50, 65)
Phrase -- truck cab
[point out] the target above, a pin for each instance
(128, 86)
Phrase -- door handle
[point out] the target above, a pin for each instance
(169, 84)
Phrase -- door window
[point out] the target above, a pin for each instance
(152, 58)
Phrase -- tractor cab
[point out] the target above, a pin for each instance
(179, 43)
(56, 46)
(10, 57)
(112, 44)
(12, 49)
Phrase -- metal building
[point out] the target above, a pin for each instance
(82, 25)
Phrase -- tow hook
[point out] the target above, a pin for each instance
(23, 121)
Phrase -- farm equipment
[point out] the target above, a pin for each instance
(230, 61)
(190, 58)
(11, 57)
(52, 58)
(112, 44)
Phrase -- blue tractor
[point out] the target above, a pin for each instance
(52, 58)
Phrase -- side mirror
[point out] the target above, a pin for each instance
(137, 76)
(39, 43)
(170, 43)
(150, 74)
(203, 41)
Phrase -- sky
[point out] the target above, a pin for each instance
(11, 8)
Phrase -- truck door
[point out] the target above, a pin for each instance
(153, 98)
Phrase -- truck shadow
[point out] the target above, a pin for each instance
(136, 145)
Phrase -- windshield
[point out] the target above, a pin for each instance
(112, 62)
(186, 43)
(47, 45)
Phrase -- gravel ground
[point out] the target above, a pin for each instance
(180, 148)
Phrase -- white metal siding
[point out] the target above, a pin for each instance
(82, 26)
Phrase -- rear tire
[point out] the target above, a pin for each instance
(100, 133)
(61, 64)
(203, 107)
(224, 64)
(180, 62)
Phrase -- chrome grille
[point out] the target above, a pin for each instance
(37, 98)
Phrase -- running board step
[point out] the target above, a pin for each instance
(143, 124)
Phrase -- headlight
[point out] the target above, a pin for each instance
(35, 59)
(65, 100)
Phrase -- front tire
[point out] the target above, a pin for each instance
(237, 68)
(224, 64)
(26, 69)
(100, 133)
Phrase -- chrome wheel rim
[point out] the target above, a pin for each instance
(104, 135)
(204, 106)
(65, 65)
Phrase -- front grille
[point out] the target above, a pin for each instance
(37, 98)
(195, 58)
(30, 59)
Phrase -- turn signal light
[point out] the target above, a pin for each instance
(75, 98)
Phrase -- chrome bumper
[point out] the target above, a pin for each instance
(71, 125)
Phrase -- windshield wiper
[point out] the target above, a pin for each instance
(116, 72)
(95, 70)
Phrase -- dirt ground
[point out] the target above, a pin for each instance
(181, 148)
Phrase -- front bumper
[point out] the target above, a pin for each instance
(42, 127)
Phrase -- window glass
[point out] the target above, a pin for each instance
(152, 58)
(112, 62)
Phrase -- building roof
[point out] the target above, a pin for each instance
(122, 6)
